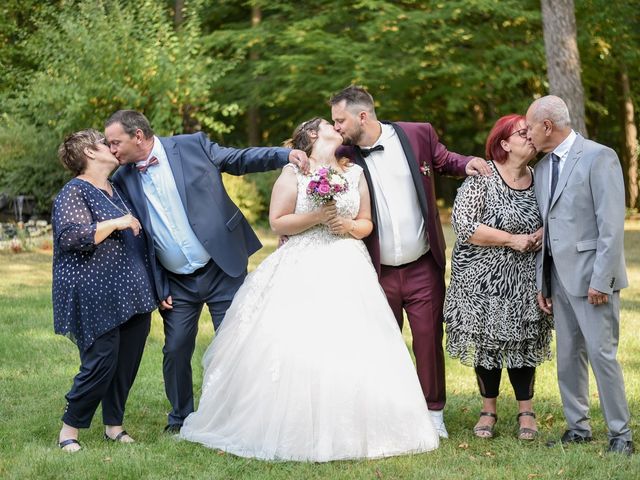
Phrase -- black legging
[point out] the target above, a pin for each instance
(522, 380)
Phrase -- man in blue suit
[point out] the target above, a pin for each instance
(198, 240)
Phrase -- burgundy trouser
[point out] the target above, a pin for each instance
(418, 288)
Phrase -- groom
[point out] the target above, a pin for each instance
(198, 240)
(407, 244)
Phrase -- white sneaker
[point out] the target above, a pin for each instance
(437, 417)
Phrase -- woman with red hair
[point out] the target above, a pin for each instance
(493, 319)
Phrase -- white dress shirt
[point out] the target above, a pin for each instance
(401, 226)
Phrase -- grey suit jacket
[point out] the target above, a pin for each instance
(584, 220)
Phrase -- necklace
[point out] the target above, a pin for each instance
(126, 210)
(515, 178)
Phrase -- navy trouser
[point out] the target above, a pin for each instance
(107, 371)
(189, 293)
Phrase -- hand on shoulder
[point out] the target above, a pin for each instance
(299, 159)
(478, 166)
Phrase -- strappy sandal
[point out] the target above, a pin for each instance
(67, 442)
(525, 433)
(485, 431)
(119, 437)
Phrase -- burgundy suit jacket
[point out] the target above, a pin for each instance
(425, 155)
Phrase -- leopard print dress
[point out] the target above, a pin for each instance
(491, 311)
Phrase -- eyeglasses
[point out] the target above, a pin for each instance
(522, 133)
(102, 141)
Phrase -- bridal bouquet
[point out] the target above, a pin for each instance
(325, 184)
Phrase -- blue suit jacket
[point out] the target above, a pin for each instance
(197, 165)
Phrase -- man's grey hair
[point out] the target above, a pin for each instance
(552, 108)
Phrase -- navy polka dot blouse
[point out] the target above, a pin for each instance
(96, 288)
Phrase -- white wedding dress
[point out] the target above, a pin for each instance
(309, 363)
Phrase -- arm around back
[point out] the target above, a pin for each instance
(239, 161)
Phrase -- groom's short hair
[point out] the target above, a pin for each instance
(131, 121)
(354, 95)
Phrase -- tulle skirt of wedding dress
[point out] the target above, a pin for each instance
(309, 364)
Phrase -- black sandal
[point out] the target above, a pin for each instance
(118, 438)
(486, 430)
(67, 442)
(525, 433)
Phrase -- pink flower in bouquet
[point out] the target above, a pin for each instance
(325, 184)
(324, 189)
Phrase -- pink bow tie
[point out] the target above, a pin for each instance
(143, 168)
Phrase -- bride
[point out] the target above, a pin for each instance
(309, 363)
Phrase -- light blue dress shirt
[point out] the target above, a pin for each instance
(177, 247)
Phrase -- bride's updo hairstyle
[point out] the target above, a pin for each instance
(302, 141)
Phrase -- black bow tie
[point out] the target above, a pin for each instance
(366, 151)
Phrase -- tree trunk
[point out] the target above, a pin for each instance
(253, 113)
(189, 123)
(178, 15)
(630, 153)
(563, 58)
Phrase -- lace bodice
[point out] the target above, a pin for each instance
(347, 203)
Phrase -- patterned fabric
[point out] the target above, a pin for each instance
(95, 287)
(491, 311)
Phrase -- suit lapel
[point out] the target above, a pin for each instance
(413, 167)
(359, 160)
(570, 163)
(133, 184)
(173, 155)
(542, 184)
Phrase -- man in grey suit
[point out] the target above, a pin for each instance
(198, 241)
(580, 268)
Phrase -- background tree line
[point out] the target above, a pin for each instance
(246, 72)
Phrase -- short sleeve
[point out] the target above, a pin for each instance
(468, 207)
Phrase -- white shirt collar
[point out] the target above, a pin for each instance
(562, 150)
(156, 151)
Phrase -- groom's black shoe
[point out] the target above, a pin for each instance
(172, 428)
(618, 445)
(573, 437)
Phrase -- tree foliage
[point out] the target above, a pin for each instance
(88, 60)
(459, 64)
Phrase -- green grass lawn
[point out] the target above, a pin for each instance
(37, 368)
